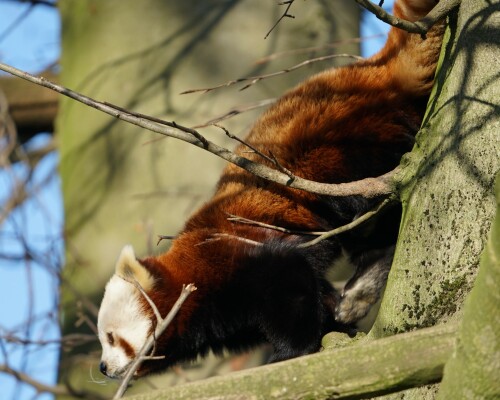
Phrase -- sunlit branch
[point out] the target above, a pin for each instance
(369, 187)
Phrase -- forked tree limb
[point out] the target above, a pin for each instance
(320, 235)
(347, 227)
(368, 188)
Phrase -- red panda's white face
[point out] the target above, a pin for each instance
(123, 324)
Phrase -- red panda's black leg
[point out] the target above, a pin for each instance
(291, 310)
(365, 288)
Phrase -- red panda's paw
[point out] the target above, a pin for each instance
(365, 287)
(354, 305)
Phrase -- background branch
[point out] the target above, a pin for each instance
(288, 4)
(254, 79)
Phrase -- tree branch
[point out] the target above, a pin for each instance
(252, 80)
(33, 108)
(288, 4)
(344, 228)
(364, 370)
(421, 26)
(369, 187)
(243, 220)
(235, 111)
(40, 387)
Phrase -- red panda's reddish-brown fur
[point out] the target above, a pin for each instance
(341, 125)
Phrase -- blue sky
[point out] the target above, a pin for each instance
(27, 288)
(29, 40)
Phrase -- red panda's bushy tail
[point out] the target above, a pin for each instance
(411, 58)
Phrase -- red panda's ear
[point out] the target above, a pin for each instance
(130, 269)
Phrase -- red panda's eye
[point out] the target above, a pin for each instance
(111, 340)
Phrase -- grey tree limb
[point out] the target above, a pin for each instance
(369, 368)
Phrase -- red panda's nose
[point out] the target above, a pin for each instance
(103, 367)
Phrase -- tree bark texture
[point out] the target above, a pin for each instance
(476, 361)
(361, 370)
(447, 185)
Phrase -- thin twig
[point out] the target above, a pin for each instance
(243, 220)
(160, 121)
(39, 387)
(288, 4)
(236, 111)
(368, 187)
(138, 286)
(218, 236)
(254, 79)
(164, 237)
(146, 348)
(320, 235)
(347, 227)
(281, 168)
(315, 49)
(67, 340)
(272, 159)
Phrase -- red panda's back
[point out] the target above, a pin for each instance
(349, 123)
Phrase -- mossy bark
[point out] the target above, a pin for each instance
(476, 361)
(366, 368)
(447, 184)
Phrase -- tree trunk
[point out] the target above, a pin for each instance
(447, 185)
(476, 361)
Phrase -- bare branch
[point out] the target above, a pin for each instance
(254, 79)
(243, 220)
(421, 26)
(347, 227)
(368, 187)
(71, 340)
(321, 235)
(288, 4)
(160, 328)
(172, 124)
(138, 286)
(164, 237)
(235, 111)
(272, 159)
(218, 236)
(315, 49)
(40, 387)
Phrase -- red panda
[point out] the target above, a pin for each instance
(257, 284)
